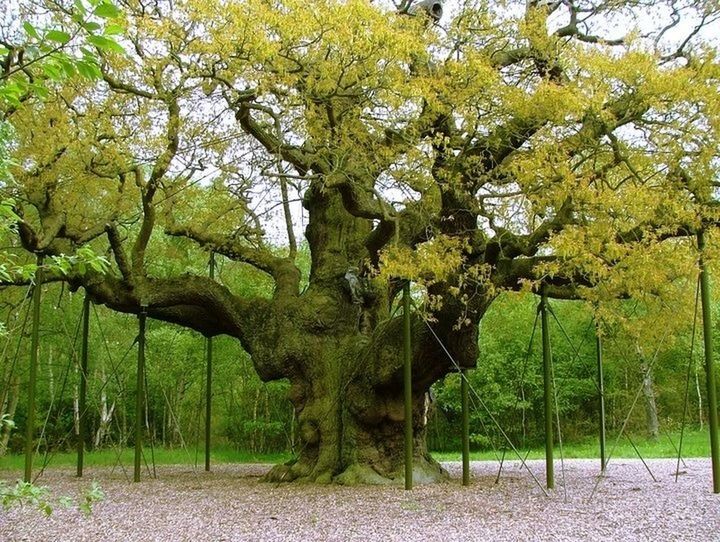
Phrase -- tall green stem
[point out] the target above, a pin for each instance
(407, 380)
(32, 383)
(601, 393)
(547, 382)
(139, 387)
(208, 381)
(709, 364)
(465, 427)
(82, 401)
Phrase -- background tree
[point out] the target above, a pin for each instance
(512, 148)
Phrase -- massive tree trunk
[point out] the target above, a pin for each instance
(343, 358)
(347, 391)
(350, 425)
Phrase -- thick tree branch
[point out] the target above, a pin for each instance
(283, 270)
(125, 88)
(289, 153)
(118, 250)
(148, 188)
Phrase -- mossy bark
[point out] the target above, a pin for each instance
(344, 363)
(341, 352)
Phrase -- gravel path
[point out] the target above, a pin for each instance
(230, 504)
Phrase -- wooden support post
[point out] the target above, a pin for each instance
(82, 401)
(709, 365)
(601, 393)
(465, 427)
(547, 382)
(32, 381)
(208, 381)
(407, 381)
(140, 391)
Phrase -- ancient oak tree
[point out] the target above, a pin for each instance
(570, 146)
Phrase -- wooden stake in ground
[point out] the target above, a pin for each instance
(32, 383)
(139, 403)
(82, 402)
(709, 365)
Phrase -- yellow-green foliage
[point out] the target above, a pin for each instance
(625, 142)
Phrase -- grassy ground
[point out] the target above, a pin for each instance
(695, 444)
(109, 458)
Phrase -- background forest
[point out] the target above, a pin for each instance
(256, 418)
(513, 150)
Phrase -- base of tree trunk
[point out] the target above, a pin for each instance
(425, 471)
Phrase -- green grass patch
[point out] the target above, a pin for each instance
(695, 444)
(163, 456)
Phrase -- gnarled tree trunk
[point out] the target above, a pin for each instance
(344, 363)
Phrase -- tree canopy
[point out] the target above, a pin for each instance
(571, 146)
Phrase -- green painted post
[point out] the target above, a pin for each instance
(547, 381)
(208, 381)
(139, 387)
(601, 390)
(709, 365)
(32, 383)
(82, 402)
(407, 381)
(465, 427)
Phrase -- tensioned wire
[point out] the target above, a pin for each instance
(336, 398)
(13, 365)
(71, 358)
(523, 373)
(597, 386)
(687, 380)
(114, 372)
(48, 458)
(483, 404)
(645, 374)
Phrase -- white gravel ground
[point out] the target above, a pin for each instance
(231, 504)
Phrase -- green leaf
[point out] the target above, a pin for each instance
(58, 36)
(68, 66)
(52, 71)
(91, 26)
(40, 90)
(113, 29)
(80, 8)
(106, 44)
(30, 30)
(106, 11)
(88, 69)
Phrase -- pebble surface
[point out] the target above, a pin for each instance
(230, 504)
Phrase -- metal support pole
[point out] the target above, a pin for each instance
(82, 402)
(465, 428)
(547, 381)
(208, 381)
(601, 390)
(32, 383)
(709, 365)
(139, 387)
(407, 381)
